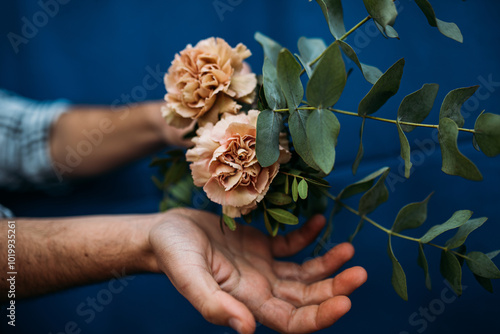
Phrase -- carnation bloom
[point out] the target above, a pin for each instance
(205, 81)
(224, 163)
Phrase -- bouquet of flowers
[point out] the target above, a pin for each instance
(265, 145)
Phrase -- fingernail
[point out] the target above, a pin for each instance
(235, 324)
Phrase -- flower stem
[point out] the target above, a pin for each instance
(386, 230)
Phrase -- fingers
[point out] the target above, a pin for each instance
(295, 241)
(317, 268)
(300, 294)
(285, 318)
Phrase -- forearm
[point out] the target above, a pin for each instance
(89, 140)
(54, 254)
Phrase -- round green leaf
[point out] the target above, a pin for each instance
(454, 162)
(481, 265)
(269, 124)
(487, 134)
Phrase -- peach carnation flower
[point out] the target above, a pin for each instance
(205, 81)
(225, 165)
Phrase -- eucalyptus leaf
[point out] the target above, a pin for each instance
(310, 48)
(454, 162)
(457, 219)
(481, 265)
(485, 283)
(361, 150)
(422, 262)
(463, 232)
(271, 226)
(384, 12)
(462, 250)
(451, 270)
(297, 123)
(375, 196)
(322, 131)
(416, 107)
(305, 65)
(362, 185)
(449, 29)
(303, 189)
(386, 87)
(334, 15)
(356, 231)
(371, 73)
(405, 150)
(229, 222)
(487, 134)
(295, 190)
(398, 279)
(271, 47)
(493, 254)
(289, 78)
(287, 185)
(283, 216)
(272, 89)
(328, 79)
(453, 103)
(277, 198)
(411, 216)
(269, 124)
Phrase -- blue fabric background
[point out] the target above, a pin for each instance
(95, 51)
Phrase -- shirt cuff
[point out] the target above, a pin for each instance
(36, 161)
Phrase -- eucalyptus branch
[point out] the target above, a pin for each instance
(343, 37)
(386, 120)
(386, 230)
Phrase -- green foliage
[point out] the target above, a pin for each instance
(303, 189)
(454, 162)
(422, 262)
(375, 196)
(297, 123)
(481, 265)
(451, 270)
(362, 185)
(310, 49)
(386, 87)
(384, 13)
(398, 279)
(272, 90)
(289, 79)
(464, 231)
(487, 133)
(449, 29)
(371, 73)
(457, 219)
(411, 216)
(271, 47)
(334, 15)
(416, 106)
(405, 149)
(278, 198)
(269, 124)
(361, 149)
(453, 103)
(229, 222)
(283, 216)
(327, 80)
(322, 131)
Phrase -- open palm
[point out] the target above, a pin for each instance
(233, 279)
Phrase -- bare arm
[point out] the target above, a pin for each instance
(232, 279)
(90, 140)
(55, 254)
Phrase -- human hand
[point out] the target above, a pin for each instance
(233, 279)
(169, 135)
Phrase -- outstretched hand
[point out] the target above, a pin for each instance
(234, 279)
